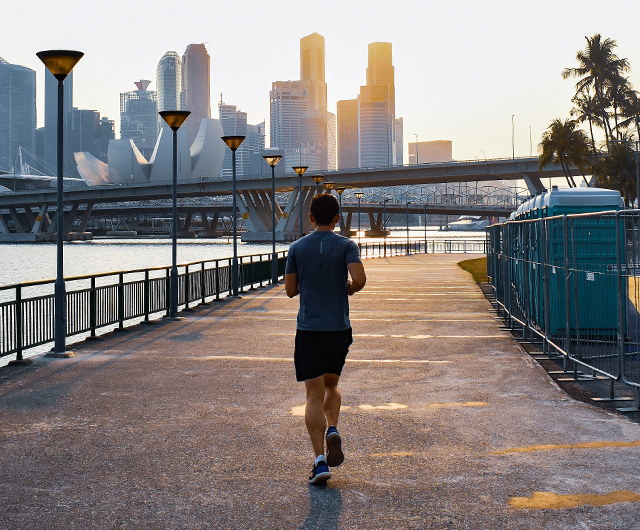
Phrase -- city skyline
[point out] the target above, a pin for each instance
(461, 71)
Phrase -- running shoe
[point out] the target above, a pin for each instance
(335, 456)
(320, 473)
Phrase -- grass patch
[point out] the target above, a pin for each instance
(477, 268)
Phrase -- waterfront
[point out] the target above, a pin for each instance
(23, 262)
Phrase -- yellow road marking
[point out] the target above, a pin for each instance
(552, 447)
(465, 404)
(388, 406)
(299, 409)
(541, 500)
(398, 453)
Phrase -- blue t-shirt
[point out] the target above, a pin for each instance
(320, 260)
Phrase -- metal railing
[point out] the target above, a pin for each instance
(434, 246)
(573, 281)
(112, 299)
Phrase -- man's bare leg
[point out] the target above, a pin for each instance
(314, 414)
(332, 398)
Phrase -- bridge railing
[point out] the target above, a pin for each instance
(109, 300)
(573, 283)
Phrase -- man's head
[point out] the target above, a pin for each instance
(324, 209)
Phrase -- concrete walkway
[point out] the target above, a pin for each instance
(197, 424)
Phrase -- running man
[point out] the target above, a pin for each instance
(318, 268)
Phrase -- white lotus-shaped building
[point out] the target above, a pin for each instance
(127, 165)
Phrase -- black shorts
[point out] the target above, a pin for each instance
(320, 352)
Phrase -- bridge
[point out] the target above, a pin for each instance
(28, 213)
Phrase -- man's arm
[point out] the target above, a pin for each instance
(291, 285)
(358, 277)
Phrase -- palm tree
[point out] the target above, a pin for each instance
(567, 145)
(586, 108)
(617, 89)
(598, 65)
(617, 170)
(631, 111)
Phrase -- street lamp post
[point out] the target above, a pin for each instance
(59, 63)
(174, 119)
(408, 249)
(340, 191)
(273, 160)
(300, 171)
(317, 179)
(359, 195)
(513, 144)
(417, 155)
(233, 142)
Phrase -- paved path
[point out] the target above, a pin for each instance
(196, 424)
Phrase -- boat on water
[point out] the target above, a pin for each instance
(468, 223)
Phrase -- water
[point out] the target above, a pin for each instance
(37, 261)
(23, 262)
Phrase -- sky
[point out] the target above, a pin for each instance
(465, 70)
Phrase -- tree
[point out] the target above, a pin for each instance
(565, 144)
(631, 111)
(599, 67)
(586, 108)
(617, 169)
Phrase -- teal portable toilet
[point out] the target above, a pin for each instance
(592, 253)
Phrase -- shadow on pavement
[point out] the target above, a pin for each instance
(325, 504)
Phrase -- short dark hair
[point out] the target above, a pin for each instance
(324, 208)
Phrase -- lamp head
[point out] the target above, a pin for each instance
(359, 194)
(272, 160)
(300, 169)
(340, 190)
(317, 179)
(233, 142)
(329, 185)
(60, 62)
(174, 118)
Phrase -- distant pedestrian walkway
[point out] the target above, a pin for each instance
(446, 424)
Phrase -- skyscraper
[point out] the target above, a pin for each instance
(17, 111)
(374, 127)
(332, 141)
(289, 106)
(168, 84)
(378, 138)
(312, 67)
(88, 132)
(234, 123)
(138, 117)
(196, 87)
(51, 117)
(347, 118)
(380, 71)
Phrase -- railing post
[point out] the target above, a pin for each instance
(546, 304)
(93, 307)
(121, 301)
(622, 297)
(147, 295)
(251, 268)
(186, 288)
(19, 323)
(167, 292)
(217, 279)
(567, 280)
(202, 283)
(241, 273)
